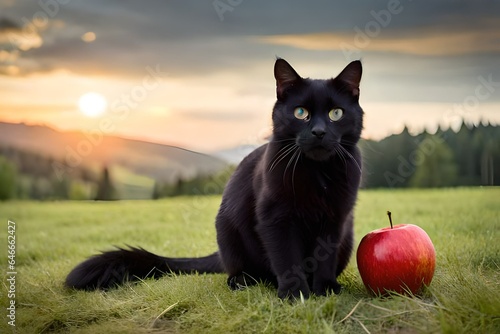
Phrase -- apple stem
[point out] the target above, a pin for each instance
(390, 219)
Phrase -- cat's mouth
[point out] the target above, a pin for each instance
(315, 148)
(318, 153)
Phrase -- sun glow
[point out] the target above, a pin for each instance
(92, 104)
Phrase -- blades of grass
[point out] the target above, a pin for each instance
(351, 312)
(162, 313)
(361, 324)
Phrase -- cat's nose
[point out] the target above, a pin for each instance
(318, 132)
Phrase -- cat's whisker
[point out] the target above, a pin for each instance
(295, 155)
(283, 140)
(289, 162)
(340, 153)
(295, 166)
(281, 154)
(348, 142)
(350, 156)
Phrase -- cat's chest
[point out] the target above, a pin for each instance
(312, 184)
(322, 182)
(308, 190)
(315, 193)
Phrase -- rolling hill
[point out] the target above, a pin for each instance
(135, 164)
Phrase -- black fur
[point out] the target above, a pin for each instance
(286, 215)
(112, 268)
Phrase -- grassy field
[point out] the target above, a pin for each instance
(52, 237)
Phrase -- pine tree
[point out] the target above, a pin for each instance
(8, 179)
(438, 169)
(105, 189)
(156, 190)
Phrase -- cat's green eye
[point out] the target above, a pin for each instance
(301, 113)
(335, 114)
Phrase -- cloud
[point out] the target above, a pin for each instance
(7, 3)
(188, 39)
(421, 42)
(25, 109)
(420, 116)
(14, 39)
(7, 24)
(14, 36)
(218, 116)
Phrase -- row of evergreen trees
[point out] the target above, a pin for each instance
(29, 175)
(469, 157)
(199, 185)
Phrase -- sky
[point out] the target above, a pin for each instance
(199, 74)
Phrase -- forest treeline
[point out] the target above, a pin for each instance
(469, 157)
(29, 175)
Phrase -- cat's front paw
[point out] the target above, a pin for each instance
(295, 294)
(321, 289)
(286, 291)
(240, 281)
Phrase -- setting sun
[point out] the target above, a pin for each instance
(92, 104)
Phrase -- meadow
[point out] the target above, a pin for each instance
(52, 237)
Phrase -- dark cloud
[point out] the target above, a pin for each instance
(7, 24)
(188, 38)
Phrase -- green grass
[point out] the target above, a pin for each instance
(131, 185)
(464, 296)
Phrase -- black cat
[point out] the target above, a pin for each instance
(287, 212)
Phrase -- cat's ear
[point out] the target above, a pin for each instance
(285, 77)
(351, 76)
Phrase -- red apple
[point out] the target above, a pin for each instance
(400, 258)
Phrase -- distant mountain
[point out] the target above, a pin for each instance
(236, 154)
(157, 161)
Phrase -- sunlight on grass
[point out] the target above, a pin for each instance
(52, 237)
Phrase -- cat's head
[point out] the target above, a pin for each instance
(319, 115)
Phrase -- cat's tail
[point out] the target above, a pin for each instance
(113, 268)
